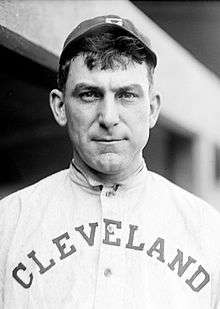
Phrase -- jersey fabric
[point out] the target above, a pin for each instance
(69, 241)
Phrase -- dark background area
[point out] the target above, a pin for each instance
(194, 24)
(32, 144)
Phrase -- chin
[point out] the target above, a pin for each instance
(110, 163)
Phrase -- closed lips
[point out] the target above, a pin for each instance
(108, 139)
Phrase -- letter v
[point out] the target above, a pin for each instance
(90, 239)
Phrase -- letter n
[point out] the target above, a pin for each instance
(179, 260)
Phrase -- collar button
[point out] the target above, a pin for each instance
(110, 193)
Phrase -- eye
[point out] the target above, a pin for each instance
(89, 96)
(127, 95)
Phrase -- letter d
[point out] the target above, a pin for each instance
(206, 279)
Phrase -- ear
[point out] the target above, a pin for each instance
(58, 107)
(155, 105)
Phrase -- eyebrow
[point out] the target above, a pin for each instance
(127, 87)
(82, 86)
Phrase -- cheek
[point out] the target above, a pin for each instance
(140, 129)
(78, 125)
(141, 121)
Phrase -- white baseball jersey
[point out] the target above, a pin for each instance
(70, 242)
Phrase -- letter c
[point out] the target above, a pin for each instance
(15, 275)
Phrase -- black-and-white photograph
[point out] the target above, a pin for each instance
(109, 154)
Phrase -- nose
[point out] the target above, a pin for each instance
(108, 112)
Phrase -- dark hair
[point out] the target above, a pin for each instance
(107, 50)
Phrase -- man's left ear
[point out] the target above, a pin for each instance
(155, 105)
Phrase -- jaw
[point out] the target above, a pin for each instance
(109, 167)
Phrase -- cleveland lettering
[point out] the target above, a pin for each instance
(179, 264)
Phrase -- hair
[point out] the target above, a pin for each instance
(106, 50)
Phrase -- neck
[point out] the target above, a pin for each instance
(115, 178)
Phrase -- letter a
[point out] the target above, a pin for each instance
(160, 250)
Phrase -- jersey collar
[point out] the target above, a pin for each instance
(89, 180)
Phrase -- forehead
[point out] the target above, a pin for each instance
(134, 73)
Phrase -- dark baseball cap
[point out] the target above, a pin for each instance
(106, 22)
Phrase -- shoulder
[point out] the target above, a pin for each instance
(42, 185)
(198, 215)
(28, 202)
(23, 209)
(178, 194)
(11, 205)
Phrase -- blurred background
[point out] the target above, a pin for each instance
(185, 144)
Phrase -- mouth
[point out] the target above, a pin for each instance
(109, 140)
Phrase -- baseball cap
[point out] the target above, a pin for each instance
(102, 22)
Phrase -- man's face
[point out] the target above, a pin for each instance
(108, 115)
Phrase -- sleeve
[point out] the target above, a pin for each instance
(211, 236)
(9, 215)
(216, 290)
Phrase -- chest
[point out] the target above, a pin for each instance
(111, 250)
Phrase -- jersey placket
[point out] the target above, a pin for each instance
(111, 264)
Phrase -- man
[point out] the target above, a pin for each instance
(108, 233)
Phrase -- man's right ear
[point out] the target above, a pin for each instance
(58, 107)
